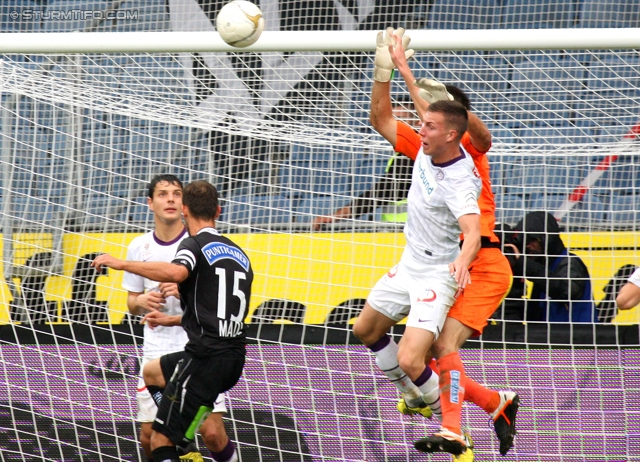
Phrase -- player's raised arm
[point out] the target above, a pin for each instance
(381, 115)
(629, 295)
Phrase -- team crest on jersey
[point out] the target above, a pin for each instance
(393, 271)
(216, 251)
(427, 297)
(440, 175)
(146, 252)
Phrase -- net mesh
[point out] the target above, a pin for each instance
(285, 137)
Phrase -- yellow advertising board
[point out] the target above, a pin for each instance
(319, 271)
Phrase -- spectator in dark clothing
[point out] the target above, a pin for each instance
(513, 306)
(561, 283)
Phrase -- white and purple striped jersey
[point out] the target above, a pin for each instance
(438, 196)
(160, 340)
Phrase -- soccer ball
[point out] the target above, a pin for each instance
(240, 23)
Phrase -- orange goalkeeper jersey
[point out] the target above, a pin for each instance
(408, 142)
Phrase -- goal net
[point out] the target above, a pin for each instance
(284, 135)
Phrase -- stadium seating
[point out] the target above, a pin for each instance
(510, 208)
(33, 210)
(484, 76)
(610, 108)
(590, 210)
(152, 15)
(258, 210)
(458, 14)
(315, 205)
(319, 181)
(621, 177)
(538, 14)
(320, 171)
(541, 90)
(608, 13)
(11, 24)
(76, 22)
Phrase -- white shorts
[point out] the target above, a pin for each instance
(424, 292)
(147, 407)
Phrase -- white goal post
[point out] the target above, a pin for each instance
(281, 127)
(341, 41)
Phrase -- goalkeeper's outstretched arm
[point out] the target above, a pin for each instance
(381, 115)
(425, 91)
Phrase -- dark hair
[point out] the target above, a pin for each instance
(201, 197)
(454, 113)
(459, 96)
(402, 99)
(171, 179)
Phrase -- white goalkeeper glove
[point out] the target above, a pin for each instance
(432, 90)
(383, 64)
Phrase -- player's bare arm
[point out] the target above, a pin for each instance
(470, 227)
(479, 133)
(628, 297)
(381, 115)
(140, 303)
(398, 55)
(157, 271)
(158, 318)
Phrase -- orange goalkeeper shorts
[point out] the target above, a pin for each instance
(491, 279)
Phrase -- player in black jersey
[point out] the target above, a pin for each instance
(214, 277)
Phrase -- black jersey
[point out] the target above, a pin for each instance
(215, 297)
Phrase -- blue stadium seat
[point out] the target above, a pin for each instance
(542, 89)
(258, 210)
(484, 76)
(143, 15)
(156, 78)
(317, 170)
(425, 64)
(76, 21)
(623, 210)
(510, 208)
(610, 107)
(609, 13)
(556, 175)
(103, 144)
(35, 210)
(589, 212)
(538, 14)
(463, 14)
(22, 181)
(553, 138)
(368, 170)
(316, 205)
(621, 177)
(139, 212)
(541, 173)
(103, 71)
(149, 145)
(100, 210)
(9, 8)
(547, 202)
